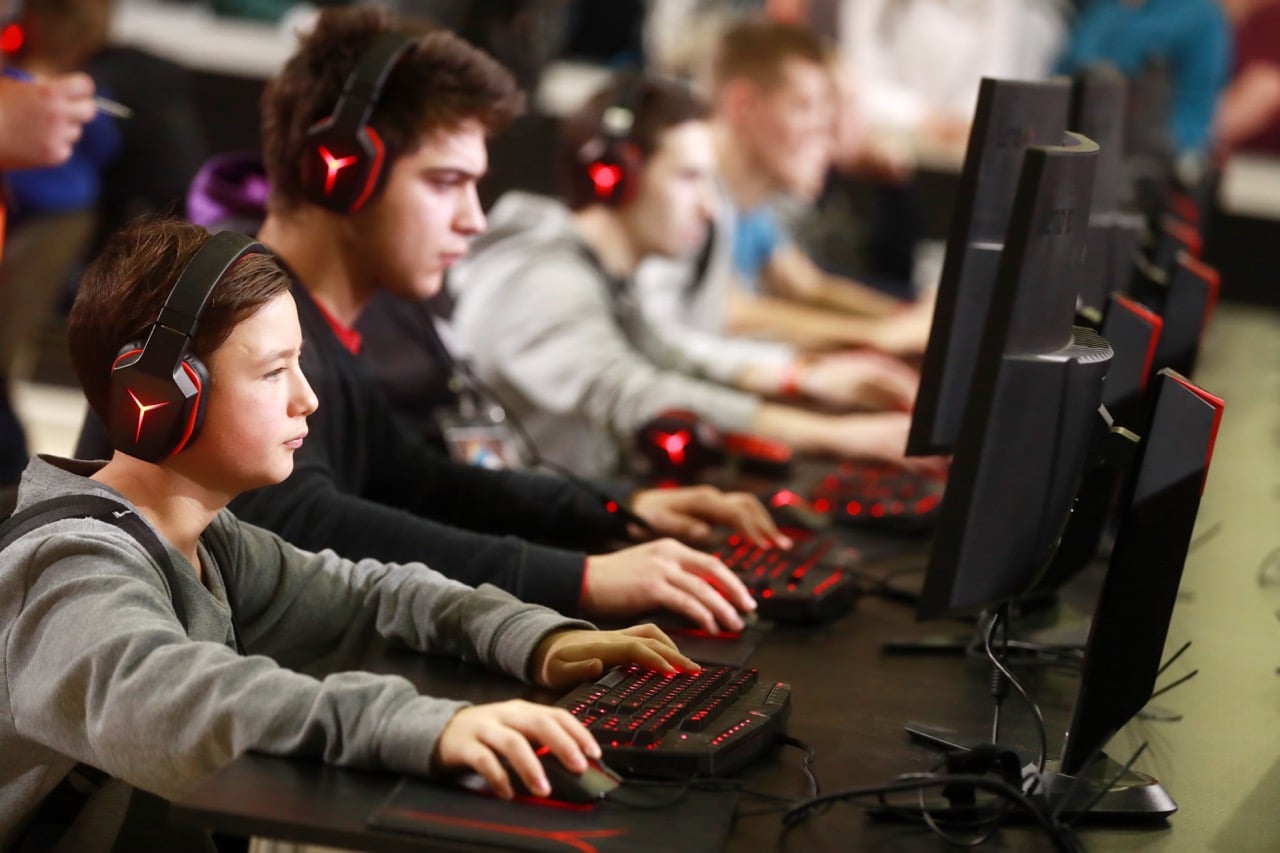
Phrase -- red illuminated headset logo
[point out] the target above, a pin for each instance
(674, 443)
(142, 412)
(333, 166)
(12, 38)
(605, 178)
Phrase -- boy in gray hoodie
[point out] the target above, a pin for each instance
(157, 669)
(548, 312)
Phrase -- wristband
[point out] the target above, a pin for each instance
(789, 383)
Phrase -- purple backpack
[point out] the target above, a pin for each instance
(229, 193)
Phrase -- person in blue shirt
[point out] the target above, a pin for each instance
(47, 110)
(1190, 38)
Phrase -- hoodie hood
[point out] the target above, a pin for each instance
(518, 223)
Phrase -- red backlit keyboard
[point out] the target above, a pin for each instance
(881, 496)
(677, 725)
(804, 584)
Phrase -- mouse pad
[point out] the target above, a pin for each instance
(696, 822)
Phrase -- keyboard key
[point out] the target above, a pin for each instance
(709, 723)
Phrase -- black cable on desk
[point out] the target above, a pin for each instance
(1017, 685)
(717, 783)
(1059, 834)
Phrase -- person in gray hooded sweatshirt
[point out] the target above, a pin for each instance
(547, 314)
(158, 677)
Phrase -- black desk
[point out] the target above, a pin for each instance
(1221, 762)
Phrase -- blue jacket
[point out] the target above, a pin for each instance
(1192, 37)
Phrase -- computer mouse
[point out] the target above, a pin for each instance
(791, 511)
(589, 786)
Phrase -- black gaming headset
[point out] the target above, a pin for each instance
(343, 162)
(607, 162)
(157, 399)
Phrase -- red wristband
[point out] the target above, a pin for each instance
(789, 384)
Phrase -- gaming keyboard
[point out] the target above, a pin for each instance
(678, 725)
(883, 497)
(798, 585)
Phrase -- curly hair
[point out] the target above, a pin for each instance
(438, 85)
(122, 291)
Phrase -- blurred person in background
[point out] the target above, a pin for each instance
(1185, 42)
(40, 122)
(1248, 116)
(773, 127)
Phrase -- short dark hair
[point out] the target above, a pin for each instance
(758, 49)
(437, 85)
(122, 291)
(658, 105)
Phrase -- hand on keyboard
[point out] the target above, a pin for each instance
(690, 513)
(668, 576)
(861, 379)
(566, 658)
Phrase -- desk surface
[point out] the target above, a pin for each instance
(1221, 762)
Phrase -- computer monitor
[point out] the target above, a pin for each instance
(1133, 331)
(1189, 300)
(1010, 116)
(1184, 296)
(1099, 104)
(1113, 239)
(1173, 237)
(1033, 403)
(1134, 608)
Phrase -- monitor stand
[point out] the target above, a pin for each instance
(1106, 793)
(1130, 797)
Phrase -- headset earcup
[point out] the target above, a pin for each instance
(150, 417)
(607, 177)
(193, 415)
(342, 167)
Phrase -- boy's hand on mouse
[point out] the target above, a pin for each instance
(567, 658)
(690, 512)
(669, 576)
(483, 736)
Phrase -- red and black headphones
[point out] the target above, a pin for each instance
(157, 401)
(344, 156)
(608, 162)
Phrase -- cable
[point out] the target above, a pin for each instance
(806, 763)
(1060, 835)
(717, 783)
(528, 450)
(1017, 685)
(683, 787)
(1269, 568)
(988, 824)
(1184, 679)
(1173, 658)
(1205, 537)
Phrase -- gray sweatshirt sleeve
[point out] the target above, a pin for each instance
(697, 327)
(551, 333)
(321, 611)
(99, 669)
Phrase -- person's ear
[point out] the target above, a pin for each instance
(737, 99)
